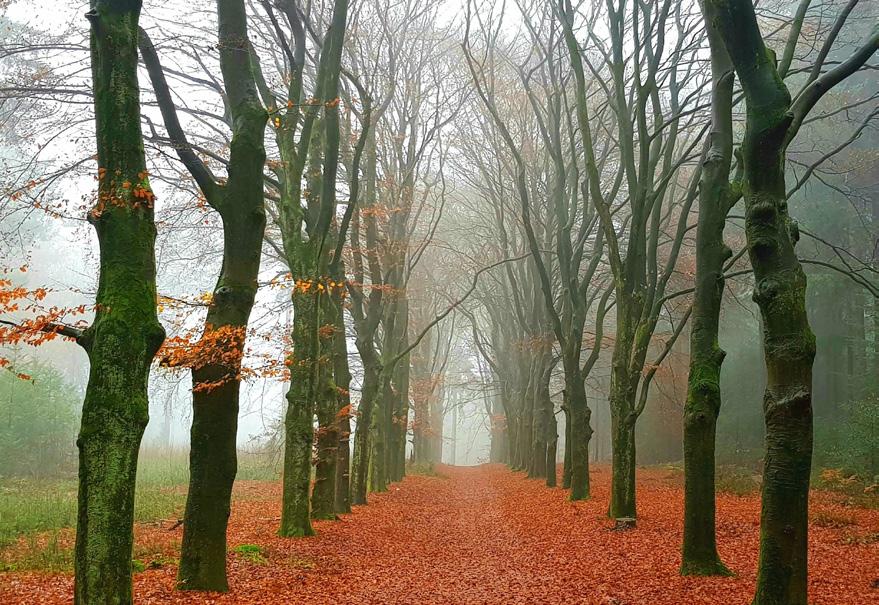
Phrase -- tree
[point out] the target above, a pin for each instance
(716, 197)
(573, 226)
(772, 121)
(216, 360)
(125, 333)
(644, 212)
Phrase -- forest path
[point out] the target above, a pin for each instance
(485, 535)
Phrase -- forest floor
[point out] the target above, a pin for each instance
(487, 535)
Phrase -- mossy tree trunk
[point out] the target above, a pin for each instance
(362, 437)
(567, 471)
(623, 391)
(299, 419)
(401, 391)
(125, 333)
(306, 222)
(772, 121)
(550, 428)
(323, 497)
(342, 384)
(577, 437)
(216, 386)
(789, 348)
(699, 552)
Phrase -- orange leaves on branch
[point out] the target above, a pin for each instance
(535, 343)
(41, 325)
(222, 351)
(222, 347)
(326, 284)
(122, 193)
(326, 331)
(38, 324)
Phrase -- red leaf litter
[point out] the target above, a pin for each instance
(485, 535)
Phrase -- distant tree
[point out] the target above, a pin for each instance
(644, 212)
(716, 198)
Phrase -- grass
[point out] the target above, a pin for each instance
(823, 518)
(423, 470)
(252, 553)
(735, 480)
(40, 514)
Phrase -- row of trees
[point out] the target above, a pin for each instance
(607, 135)
(278, 69)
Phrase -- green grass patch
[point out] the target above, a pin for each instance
(423, 470)
(38, 516)
(30, 507)
(735, 480)
(252, 553)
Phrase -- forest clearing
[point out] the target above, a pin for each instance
(484, 535)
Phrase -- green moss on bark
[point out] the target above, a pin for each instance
(125, 334)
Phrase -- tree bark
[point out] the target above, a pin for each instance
(772, 120)
(342, 383)
(623, 389)
(298, 422)
(125, 334)
(323, 495)
(216, 385)
(362, 437)
(703, 387)
(578, 435)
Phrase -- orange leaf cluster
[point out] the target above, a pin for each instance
(222, 347)
(304, 286)
(39, 325)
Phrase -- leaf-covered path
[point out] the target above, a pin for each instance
(486, 535)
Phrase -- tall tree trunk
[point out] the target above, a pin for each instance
(363, 435)
(551, 437)
(401, 392)
(622, 415)
(299, 419)
(567, 471)
(623, 456)
(213, 453)
(125, 333)
(537, 458)
(578, 431)
(342, 382)
(381, 437)
(789, 347)
(772, 121)
(323, 496)
(308, 259)
(703, 387)
(498, 444)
